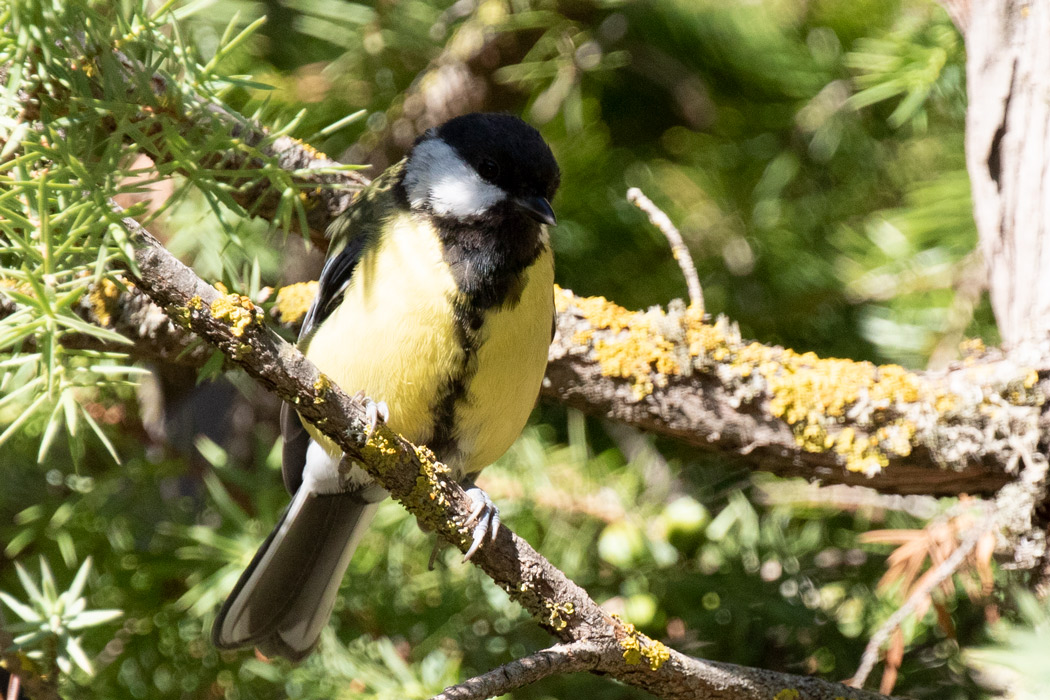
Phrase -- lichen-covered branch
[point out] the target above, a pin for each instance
(674, 374)
(677, 374)
(235, 325)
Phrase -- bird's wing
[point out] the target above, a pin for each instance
(350, 235)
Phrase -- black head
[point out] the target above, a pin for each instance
(481, 164)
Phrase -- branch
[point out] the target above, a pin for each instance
(795, 414)
(559, 659)
(234, 325)
(674, 374)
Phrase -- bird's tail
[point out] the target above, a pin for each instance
(283, 600)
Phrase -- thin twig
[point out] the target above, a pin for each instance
(558, 659)
(678, 248)
(942, 572)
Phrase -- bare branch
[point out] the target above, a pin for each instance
(679, 249)
(559, 659)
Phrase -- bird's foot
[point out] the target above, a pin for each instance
(375, 411)
(484, 517)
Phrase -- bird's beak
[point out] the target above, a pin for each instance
(537, 208)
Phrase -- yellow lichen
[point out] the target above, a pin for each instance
(321, 386)
(638, 646)
(656, 653)
(313, 152)
(972, 347)
(1031, 379)
(557, 614)
(811, 393)
(604, 314)
(945, 403)
(426, 498)
(787, 694)
(583, 336)
(236, 309)
(103, 297)
(633, 350)
(293, 301)
(805, 386)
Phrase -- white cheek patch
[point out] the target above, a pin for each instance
(437, 176)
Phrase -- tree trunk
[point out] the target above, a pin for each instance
(1008, 155)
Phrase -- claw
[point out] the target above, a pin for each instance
(374, 412)
(485, 518)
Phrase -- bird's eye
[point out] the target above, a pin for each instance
(488, 169)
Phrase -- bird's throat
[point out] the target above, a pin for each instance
(487, 257)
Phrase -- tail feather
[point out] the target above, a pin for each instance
(284, 598)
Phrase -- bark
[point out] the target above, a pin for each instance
(1008, 156)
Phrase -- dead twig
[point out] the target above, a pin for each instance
(919, 597)
(678, 248)
(846, 498)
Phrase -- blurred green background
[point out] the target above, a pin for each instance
(812, 156)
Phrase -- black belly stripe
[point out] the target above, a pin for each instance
(469, 320)
(488, 258)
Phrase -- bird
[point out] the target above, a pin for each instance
(436, 301)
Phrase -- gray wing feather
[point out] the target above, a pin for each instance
(335, 278)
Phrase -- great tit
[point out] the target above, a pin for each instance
(436, 301)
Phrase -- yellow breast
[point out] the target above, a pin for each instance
(393, 336)
(512, 358)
